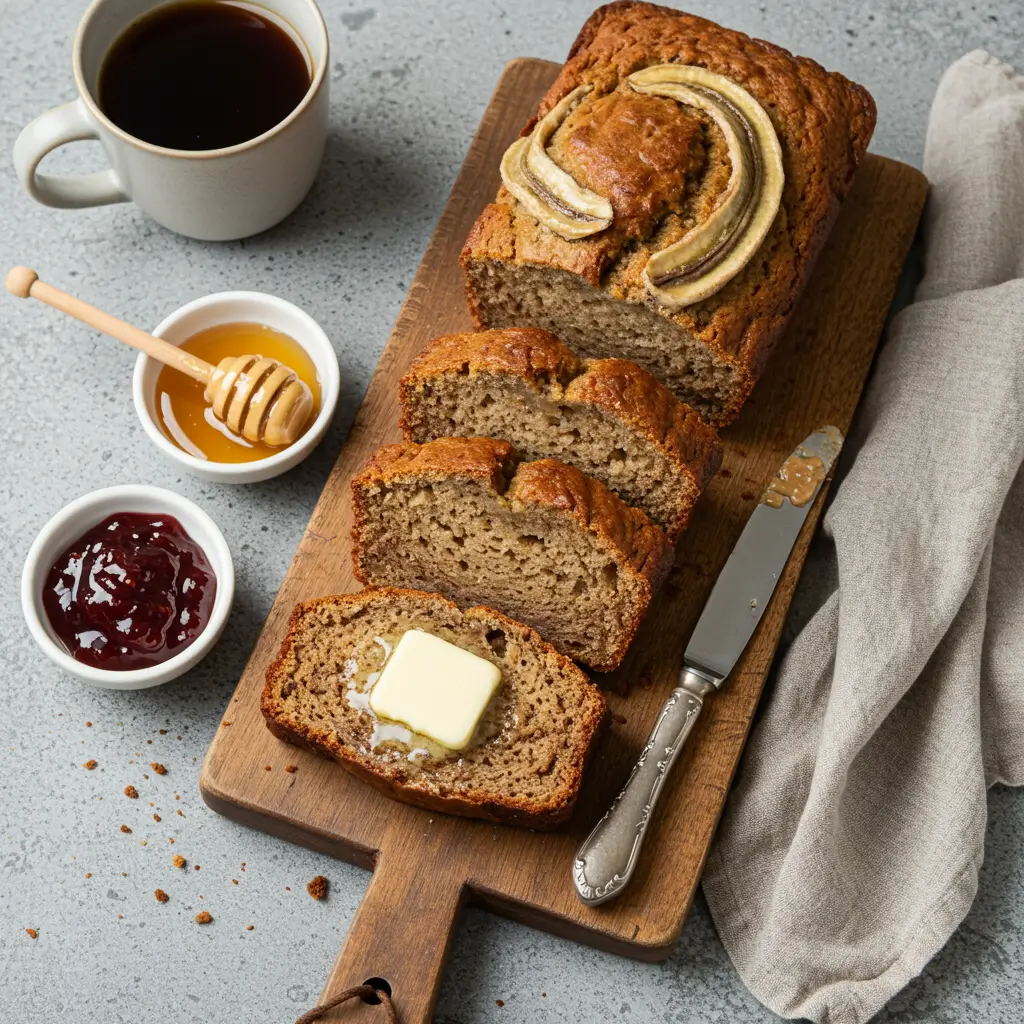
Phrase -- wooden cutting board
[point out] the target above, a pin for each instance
(426, 865)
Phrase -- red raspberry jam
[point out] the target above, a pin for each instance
(132, 592)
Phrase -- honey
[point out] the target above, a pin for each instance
(184, 414)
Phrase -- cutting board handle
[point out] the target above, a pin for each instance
(401, 933)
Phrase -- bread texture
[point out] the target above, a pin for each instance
(607, 417)
(526, 766)
(541, 541)
(664, 168)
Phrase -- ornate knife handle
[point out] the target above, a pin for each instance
(605, 862)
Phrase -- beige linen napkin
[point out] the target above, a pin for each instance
(850, 847)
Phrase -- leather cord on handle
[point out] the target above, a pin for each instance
(365, 992)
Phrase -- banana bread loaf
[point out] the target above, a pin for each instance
(540, 541)
(669, 199)
(525, 765)
(607, 417)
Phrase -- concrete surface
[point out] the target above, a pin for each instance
(409, 82)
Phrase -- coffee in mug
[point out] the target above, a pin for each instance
(212, 114)
(200, 74)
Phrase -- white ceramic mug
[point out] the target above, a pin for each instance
(215, 194)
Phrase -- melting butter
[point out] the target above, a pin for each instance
(358, 678)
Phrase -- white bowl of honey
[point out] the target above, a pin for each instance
(178, 418)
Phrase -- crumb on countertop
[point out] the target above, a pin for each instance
(178, 861)
(156, 817)
(291, 768)
(89, 765)
(88, 874)
(126, 829)
(204, 917)
(266, 768)
(250, 927)
(195, 867)
(161, 896)
(32, 933)
(317, 888)
(158, 768)
(131, 792)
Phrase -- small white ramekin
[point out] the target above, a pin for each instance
(81, 515)
(234, 307)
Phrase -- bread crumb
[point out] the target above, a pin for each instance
(318, 887)
(177, 796)
(32, 933)
(291, 768)
(145, 776)
(151, 804)
(89, 765)
(126, 829)
(178, 813)
(204, 917)
(158, 768)
(266, 767)
(222, 723)
(143, 842)
(170, 839)
(88, 874)
(131, 792)
(287, 888)
(124, 874)
(161, 896)
(234, 881)
(499, 1002)
(163, 732)
(178, 861)
(179, 737)
(250, 927)
(149, 741)
(195, 867)
(156, 817)
(88, 725)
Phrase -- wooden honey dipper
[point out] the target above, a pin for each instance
(260, 399)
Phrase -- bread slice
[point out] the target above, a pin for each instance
(541, 541)
(664, 168)
(607, 417)
(527, 763)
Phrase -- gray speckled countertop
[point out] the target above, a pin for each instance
(409, 82)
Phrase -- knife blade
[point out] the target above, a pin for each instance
(606, 860)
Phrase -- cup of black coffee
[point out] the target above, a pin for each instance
(213, 114)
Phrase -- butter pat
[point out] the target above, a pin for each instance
(435, 688)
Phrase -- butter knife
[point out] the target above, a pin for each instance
(605, 862)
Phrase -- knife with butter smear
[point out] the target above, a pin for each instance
(605, 862)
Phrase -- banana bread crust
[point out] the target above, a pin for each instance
(590, 716)
(554, 371)
(823, 122)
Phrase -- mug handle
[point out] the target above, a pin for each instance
(57, 127)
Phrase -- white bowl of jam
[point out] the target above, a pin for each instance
(176, 416)
(128, 587)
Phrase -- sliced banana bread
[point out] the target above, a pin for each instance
(526, 763)
(607, 417)
(541, 541)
